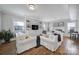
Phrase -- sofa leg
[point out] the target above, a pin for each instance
(37, 46)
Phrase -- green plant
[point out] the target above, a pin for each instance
(1, 35)
(7, 35)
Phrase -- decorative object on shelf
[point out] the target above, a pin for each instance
(40, 22)
(61, 24)
(28, 26)
(44, 32)
(26, 37)
(27, 21)
(58, 24)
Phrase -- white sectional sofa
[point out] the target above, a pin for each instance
(23, 43)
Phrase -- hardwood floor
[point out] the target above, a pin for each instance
(68, 47)
(37, 51)
(8, 48)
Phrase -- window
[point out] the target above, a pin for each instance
(71, 26)
(19, 27)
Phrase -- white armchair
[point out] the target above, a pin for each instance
(51, 42)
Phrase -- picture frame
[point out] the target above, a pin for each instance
(61, 24)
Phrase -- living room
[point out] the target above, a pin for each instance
(39, 29)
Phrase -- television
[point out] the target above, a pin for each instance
(34, 27)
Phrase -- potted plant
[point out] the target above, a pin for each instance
(1, 37)
(7, 36)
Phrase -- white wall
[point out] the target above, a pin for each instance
(7, 21)
(78, 25)
(0, 21)
(47, 25)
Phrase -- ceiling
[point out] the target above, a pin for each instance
(45, 12)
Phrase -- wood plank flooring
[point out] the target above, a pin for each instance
(68, 47)
(8, 48)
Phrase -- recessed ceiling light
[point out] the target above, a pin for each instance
(31, 6)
